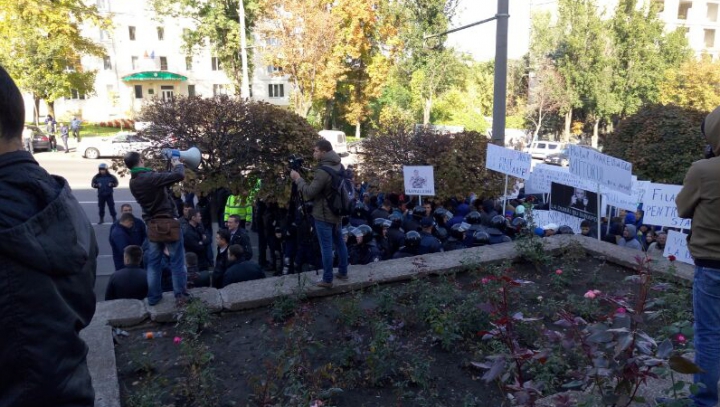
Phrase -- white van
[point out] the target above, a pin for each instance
(541, 149)
(337, 139)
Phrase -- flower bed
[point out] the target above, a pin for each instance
(477, 338)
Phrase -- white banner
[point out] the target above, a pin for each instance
(419, 180)
(542, 218)
(507, 161)
(544, 175)
(676, 245)
(659, 206)
(597, 167)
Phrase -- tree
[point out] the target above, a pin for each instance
(660, 141)
(217, 26)
(41, 45)
(440, 72)
(242, 142)
(696, 85)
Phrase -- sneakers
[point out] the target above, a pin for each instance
(323, 284)
(342, 277)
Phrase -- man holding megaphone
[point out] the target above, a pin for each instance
(151, 191)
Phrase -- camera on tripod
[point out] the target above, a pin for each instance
(295, 162)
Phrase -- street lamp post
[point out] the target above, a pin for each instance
(245, 81)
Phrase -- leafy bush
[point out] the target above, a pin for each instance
(660, 141)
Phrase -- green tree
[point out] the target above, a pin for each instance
(217, 26)
(41, 45)
(696, 85)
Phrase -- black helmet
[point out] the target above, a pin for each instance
(418, 212)
(361, 210)
(439, 214)
(481, 238)
(565, 230)
(498, 222)
(519, 223)
(441, 233)
(379, 224)
(473, 218)
(396, 220)
(458, 231)
(365, 231)
(412, 239)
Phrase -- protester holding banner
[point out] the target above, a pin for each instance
(699, 200)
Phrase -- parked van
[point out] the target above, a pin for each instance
(337, 139)
(541, 149)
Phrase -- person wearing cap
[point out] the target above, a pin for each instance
(104, 182)
(550, 229)
(698, 200)
(429, 243)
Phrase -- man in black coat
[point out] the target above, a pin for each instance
(195, 239)
(222, 237)
(131, 281)
(239, 270)
(105, 182)
(47, 273)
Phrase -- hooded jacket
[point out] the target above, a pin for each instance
(318, 190)
(631, 241)
(699, 200)
(150, 190)
(47, 274)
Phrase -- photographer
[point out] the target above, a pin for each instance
(698, 200)
(327, 224)
(150, 190)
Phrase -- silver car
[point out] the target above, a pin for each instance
(115, 146)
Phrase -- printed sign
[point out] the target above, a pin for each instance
(677, 246)
(544, 175)
(573, 201)
(419, 180)
(542, 218)
(600, 168)
(507, 161)
(659, 206)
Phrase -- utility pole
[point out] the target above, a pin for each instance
(245, 82)
(500, 92)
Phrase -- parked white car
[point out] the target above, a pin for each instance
(337, 139)
(541, 149)
(115, 146)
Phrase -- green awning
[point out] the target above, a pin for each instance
(154, 76)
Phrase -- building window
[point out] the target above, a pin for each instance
(191, 90)
(709, 38)
(271, 69)
(219, 90)
(216, 65)
(138, 92)
(134, 61)
(75, 94)
(188, 63)
(712, 12)
(276, 90)
(131, 32)
(683, 9)
(161, 33)
(107, 64)
(163, 64)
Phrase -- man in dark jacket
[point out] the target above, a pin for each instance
(239, 270)
(104, 182)
(239, 235)
(122, 235)
(195, 239)
(150, 190)
(130, 281)
(327, 224)
(47, 272)
(222, 237)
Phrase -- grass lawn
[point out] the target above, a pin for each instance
(92, 131)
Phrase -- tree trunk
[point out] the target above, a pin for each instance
(51, 108)
(539, 124)
(568, 123)
(36, 113)
(595, 135)
(329, 110)
(357, 129)
(427, 107)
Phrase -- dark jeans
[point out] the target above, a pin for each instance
(76, 134)
(328, 235)
(110, 201)
(53, 143)
(706, 309)
(262, 247)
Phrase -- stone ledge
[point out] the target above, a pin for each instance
(102, 365)
(120, 313)
(165, 310)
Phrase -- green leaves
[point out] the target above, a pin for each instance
(682, 365)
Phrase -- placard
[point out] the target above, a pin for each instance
(542, 218)
(659, 206)
(573, 201)
(543, 175)
(419, 180)
(599, 168)
(507, 161)
(676, 245)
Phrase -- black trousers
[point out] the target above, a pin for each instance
(110, 201)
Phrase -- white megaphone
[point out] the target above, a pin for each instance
(190, 157)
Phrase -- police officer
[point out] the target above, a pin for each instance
(457, 237)
(380, 230)
(365, 251)
(104, 182)
(496, 231)
(480, 238)
(395, 234)
(411, 247)
(413, 221)
(474, 219)
(360, 214)
(429, 243)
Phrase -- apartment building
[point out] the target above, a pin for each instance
(144, 60)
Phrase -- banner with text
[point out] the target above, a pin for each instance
(573, 201)
(542, 218)
(419, 180)
(597, 167)
(507, 161)
(543, 175)
(677, 246)
(659, 206)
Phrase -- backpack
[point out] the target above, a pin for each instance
(341, 199)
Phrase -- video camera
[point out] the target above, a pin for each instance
(295, 162)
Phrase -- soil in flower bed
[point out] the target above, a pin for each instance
(407, 344)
